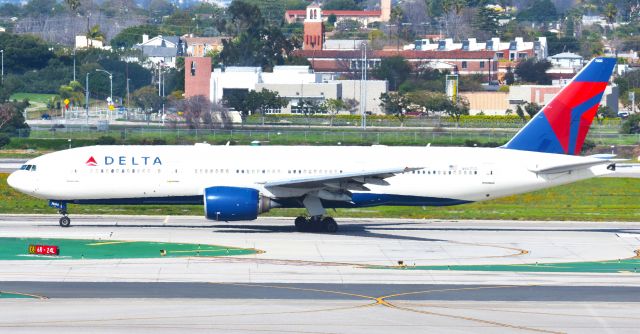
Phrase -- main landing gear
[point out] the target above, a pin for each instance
(316, 224)
(64, 221)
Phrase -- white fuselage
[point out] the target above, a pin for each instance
(133, 172)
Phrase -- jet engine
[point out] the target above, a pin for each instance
(234, 203)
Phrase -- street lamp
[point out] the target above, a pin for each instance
(2, 52)
(111, 83)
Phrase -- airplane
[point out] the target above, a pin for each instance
(240, 182)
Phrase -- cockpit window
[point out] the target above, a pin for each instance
(28, 167)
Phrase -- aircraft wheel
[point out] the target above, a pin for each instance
(65, 221)
(301, 224)
(330, 225)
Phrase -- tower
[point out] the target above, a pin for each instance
(313, 28)
(385, 10)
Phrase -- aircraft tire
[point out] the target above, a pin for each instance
(301, 223)
(330, 225)
(65, 221)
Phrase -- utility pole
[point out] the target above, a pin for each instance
(363, 87)
(126, 116)
(74, 63)
(86, 97)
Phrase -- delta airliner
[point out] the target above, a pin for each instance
(240, 182)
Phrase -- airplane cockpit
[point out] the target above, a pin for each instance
(31, 168)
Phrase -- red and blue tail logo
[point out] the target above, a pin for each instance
(562, 125)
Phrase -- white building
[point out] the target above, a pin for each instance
(567, 60)
(294, 83)
(161, 49)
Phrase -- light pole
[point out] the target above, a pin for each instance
(2, 52)
(74, 64)
(110, 82)
(86, 97)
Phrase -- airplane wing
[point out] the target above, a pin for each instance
(344, 181)
(563, 168)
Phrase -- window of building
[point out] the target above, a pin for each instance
(482, 64)
(464, 64)
(193, 68)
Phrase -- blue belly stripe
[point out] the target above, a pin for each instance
(359, 200)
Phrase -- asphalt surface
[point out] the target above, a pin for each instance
(413, 292)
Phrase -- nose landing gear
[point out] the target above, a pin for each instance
(64, 220)
(62, 209)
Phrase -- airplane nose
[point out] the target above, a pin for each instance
(16, 181)
(11, 180)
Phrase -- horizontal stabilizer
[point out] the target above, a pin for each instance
(563, 168)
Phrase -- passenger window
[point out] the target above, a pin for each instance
(33, 168)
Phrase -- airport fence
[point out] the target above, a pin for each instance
(145, 135)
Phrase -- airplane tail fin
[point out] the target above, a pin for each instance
(562, 125)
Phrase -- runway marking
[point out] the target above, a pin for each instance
(512, 311)
(23, 294)
(383, 302)
(386, 303)
(109, 243)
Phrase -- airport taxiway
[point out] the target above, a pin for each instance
(326, 283)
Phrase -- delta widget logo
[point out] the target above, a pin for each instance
(91, 162)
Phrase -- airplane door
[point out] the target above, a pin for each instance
(488, 173)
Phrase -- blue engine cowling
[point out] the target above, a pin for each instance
(234, 203)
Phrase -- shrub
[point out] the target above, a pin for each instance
(106, 140)
(4, 140)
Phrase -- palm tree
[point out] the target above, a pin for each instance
(610, 13)
(95, 34)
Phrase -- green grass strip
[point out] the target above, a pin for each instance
(74, 249)
(616, 266)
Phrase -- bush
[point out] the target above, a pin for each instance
(631, 125)
(4, 140)
(105, 140)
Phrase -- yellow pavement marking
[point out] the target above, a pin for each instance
(109, 243)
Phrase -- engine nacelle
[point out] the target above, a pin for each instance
(234, 203)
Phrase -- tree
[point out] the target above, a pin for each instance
(255, 43)
(130, 36)
(458, 109)
(610, 12)
(73, 5)
(24, 53)
(430, 101)
(195, 110)
(261, 101)
(394, 69)
(534, 71)
(148, 99)
(95, 34)
(12, 121)
(396, 104)
(333, 106)
(73, 91)
(341, 5)
(532, 109)
(487, 20)
(520, 113)
(539, 11)
(631, 125)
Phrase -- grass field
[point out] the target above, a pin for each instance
(591, 200)
(32, 97)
